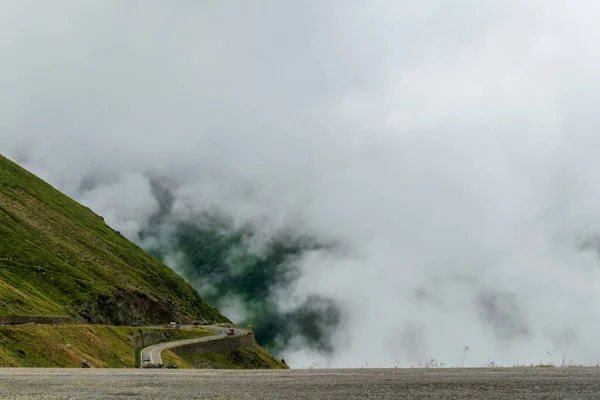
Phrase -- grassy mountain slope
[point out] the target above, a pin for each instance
(58, 258)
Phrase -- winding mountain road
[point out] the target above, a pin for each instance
(152, 353)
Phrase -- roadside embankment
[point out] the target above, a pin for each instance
(22, 320)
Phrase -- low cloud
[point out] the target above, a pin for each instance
(414, 143)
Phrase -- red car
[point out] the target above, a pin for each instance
(230, 332)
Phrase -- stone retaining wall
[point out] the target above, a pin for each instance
(218, 345)
(21, 320)
(149, 338)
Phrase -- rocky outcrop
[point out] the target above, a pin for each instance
(124, 307)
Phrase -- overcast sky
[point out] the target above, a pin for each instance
(452, 146)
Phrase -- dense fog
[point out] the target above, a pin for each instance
(372, 184)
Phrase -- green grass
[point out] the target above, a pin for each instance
(252, 357)
(192, 333)
(66, 346)
(58, 258)
(170, 358)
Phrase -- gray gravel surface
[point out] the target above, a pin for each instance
(513, 383)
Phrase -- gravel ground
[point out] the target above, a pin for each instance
(513, 383)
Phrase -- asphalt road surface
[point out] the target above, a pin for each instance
(153, 352)
(514, 383)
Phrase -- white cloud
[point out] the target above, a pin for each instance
(431, 138)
